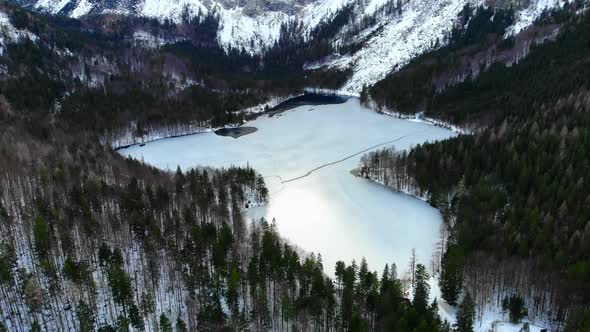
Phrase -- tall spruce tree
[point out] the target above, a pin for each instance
(421, 289)
(86, 317)
(165, 324)
(515, 307)
(465, 315)
(41, 236)
(451, 274)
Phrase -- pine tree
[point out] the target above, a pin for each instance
(135, 317)
(4, 217)
(180, 325)
(451, 274)
(34, 294)
(339, 273)
(8, 261)
(412, 266)
(148, 304)
(525, 328)
(233, 288)
(515, 307)
(180, 180)
(578, 320)
(121, 288)
(104, 254)
(261, 189)
(384, 280)
(35, 327)
(421, 289)
(465, 315)
(347, 306)
(122, 324)
(165, 325)
(86, 317)
(357, 323)
(41, 236)
(363, 275)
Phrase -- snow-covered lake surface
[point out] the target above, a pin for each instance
(326, 209)
(330, 211)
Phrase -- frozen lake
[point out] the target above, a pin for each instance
(329, 211)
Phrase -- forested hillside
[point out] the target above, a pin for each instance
(91, 241)
(513, 193)
(129, 77)
(478, 45)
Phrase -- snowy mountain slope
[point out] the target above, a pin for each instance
(389, 41)
(237, 29)
(249, 24)
(254, 34)
(528, 15)
(421, 25)
(10, 34)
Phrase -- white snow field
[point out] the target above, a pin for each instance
(330, 211)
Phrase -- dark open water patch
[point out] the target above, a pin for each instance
(236, 132)
(307, 99)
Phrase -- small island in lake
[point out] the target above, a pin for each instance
(236, 132)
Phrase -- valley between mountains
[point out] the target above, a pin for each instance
(329, 165)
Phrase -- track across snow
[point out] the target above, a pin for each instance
(343, 159)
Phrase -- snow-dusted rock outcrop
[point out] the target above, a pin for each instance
(10, 34)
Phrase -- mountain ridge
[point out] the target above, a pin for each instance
(379, 36)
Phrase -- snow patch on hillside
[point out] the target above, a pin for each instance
(150, 40)
(510, 327)
(417, 30)
(395, 40)
(314, 13)
(52, 6)
(9, 34)
(254, 34)
(83, 8)
(171, 10)
(490, 319)
(527, 16)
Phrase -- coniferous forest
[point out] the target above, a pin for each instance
(512, 192)
(92, 241)
(116, 245)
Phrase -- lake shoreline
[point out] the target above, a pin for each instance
(282, 107)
